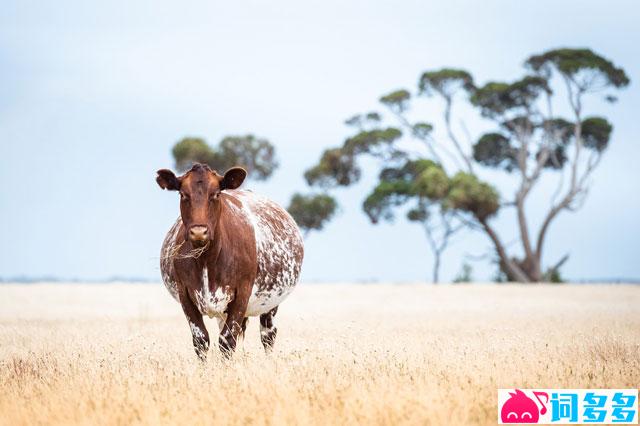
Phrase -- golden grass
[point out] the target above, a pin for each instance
(345, 354)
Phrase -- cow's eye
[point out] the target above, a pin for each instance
(214, 196)
(184, 197)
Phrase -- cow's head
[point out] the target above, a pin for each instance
(200, 189)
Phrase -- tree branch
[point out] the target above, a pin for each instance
(574, 186)
(522, 135)
(447, 120)
(429, 142)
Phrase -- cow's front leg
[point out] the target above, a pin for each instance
(233, 326)
(199, 332)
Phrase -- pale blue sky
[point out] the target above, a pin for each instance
(93, 96)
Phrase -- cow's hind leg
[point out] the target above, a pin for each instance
(244, 327)
(268, 331)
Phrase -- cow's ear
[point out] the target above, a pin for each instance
(168, 180)
(233, 178)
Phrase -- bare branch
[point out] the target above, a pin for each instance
(429, 142)
(558, 190)
(452, 136)
(467, 134)
(523, 135)
(575, 185)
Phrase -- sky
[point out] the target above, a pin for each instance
(93, 95)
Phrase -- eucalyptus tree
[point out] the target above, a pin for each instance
(312, 212)
(445, 179)
(256, 155)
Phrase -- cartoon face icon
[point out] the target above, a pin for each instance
(519, 408)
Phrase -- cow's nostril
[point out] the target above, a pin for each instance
(198, 232)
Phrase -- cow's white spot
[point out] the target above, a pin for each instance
(211, 304)
(196, 331)
(265, 331)
(261, 302)
(166, 259)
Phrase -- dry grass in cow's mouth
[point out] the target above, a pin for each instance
(193, 253)
(122, 354)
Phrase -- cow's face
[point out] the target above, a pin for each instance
(200, 190)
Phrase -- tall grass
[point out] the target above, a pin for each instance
(121, 354)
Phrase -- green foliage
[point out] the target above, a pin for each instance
(256, 155)
(312, 212)
(417, 179)
(338, 166)
(335, 168)
(373, 116)
(376, 142)
(559, 129)
(596, 132)
(471, 195)
(465, 275)
(420, 213)
(557, 157)
(495, 150)
(422, 130)
(554, 276)
(520, 126)
(495, 99)
(397, 100)
(409, 170)
(574, 62)
(445, 81)
(432, 183)
(192, 150)
(360, 120)
(386, 195)
(426, 182)
(356, 120)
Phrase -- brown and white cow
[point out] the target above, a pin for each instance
(231, 254)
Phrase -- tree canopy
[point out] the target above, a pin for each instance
(256, 155)
(312, 212)
(445, 179)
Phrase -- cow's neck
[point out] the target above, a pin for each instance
(211, 254)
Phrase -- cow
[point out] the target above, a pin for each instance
(232, 254)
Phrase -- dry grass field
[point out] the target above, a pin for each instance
(345, 354)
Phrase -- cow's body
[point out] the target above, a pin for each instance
(240, 256)
(277, 259)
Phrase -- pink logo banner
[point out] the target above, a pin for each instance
(568, 406)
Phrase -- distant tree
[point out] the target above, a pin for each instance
(256, 155)
(442, 177)
(312, 212)
(465, 275)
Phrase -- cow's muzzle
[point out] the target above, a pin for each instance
(198, 235)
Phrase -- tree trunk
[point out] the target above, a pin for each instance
(436, 267)
(530, 266)
(513, 270)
